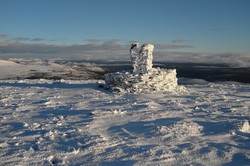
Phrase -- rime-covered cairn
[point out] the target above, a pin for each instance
(142, 77)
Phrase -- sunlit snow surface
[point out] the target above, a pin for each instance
(45, 122)
(50, 69)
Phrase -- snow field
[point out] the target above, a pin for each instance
(76, 123)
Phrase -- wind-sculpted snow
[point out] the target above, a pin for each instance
(46, 122)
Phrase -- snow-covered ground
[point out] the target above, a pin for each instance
(45, 122)
(50, 69)
(75, 122)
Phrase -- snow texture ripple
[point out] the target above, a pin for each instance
(46, 122)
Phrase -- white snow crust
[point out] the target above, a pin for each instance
(46, 122)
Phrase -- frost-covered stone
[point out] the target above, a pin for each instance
(141, 57)
(155, 80)
(143, 77)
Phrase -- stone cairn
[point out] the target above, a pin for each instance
(143, 77)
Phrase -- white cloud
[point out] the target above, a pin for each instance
(9, 38)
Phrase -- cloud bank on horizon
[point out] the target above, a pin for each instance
(113, 49)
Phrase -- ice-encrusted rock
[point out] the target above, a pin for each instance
(141, 58)
(154, 80)
(143, 77)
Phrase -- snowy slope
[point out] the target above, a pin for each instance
(9, 68)
(51, 69)
(76, 123)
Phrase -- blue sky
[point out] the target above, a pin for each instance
(81, 26)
